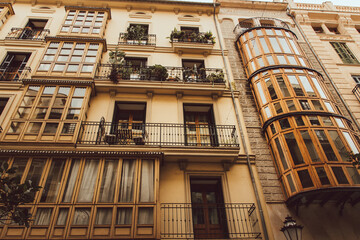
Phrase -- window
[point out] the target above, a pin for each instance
(69, 57)
(84, 22)
(48, 110)
(194, 70)
(344, 52)
(13, 66)
(5, 11)
(134, 68)
(3, 102)
(318, 29)
(334, 30)
(200, 125)
(356, 78)
(33, 29)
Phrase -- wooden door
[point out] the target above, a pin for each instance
(208, 209)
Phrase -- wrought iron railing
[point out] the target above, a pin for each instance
(174, 74)
(238, 221)
(149, 39)
(356, 91)
(246, 24)
(194, 37)
(158, 134)
(28, 33)
(14, 73)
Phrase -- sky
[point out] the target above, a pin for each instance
(335, 2)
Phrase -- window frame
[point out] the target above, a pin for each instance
(344, 53)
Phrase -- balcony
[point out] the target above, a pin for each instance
(14, 73)
(356, 91)
(158, 134)
(238, 220)
(174, 74)
(192, 42)
(28, 34)
(257, 22)
(147, 40)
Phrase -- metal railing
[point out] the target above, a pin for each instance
(174, 74)
(238, 221)
(27, 33)
(356, 91)
(14, 73)
(149, 39)
(194, 37)
(158, 134)
(246, 24)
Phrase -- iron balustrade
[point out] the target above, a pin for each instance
(239, 219)
(175, 74)
(14, 73)
(149, 39)
(27, 33)
(356, 91)
(193, 37)
(249, 23)
(158, 134)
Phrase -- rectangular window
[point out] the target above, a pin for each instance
(84, 22)
(69, 57)
(356, 78)
(294, 148)
(13, 66)
(344, 52)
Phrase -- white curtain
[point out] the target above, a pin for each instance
(81, 216)
(61, 220)
(147, 181)
(88, 182)
(124, 216)
(127, 181)
(71, 180)
(146, 216)
(107, 189)
(43, 216)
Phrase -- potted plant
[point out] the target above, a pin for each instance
(116, 59)
(159, 72)
(217, 77)
(136, 34)
(176, 36)
(209, 38)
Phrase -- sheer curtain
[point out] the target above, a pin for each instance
(81, 216)
(147, 181)
(103, 216)
(53, 181)
(107, 189)
(71, 180)
(124, 216)
(127, 181)
(61, 220)
(43, 216)
(88, 182)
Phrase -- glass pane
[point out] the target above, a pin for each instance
(318, 88)
(63, 212)
(52, 185)
(81, 216)
(310, 146)
(278, 108)
(124, 216)
(50, 128)
(71, 180)
(322, 176)
(294, 148)
(274, 44)
(340, 175)
(314, 120)
(103, 216)
(79, 92)
(35, 171)
(350, 142)
(107, 188)
(147, 181)
(296, 86)
(325, 144)
(146, 216)
(127, 181)
(271, 88)
(291, 183)
(261, 93)
(354, 174)
(43, 216)
(283, 86)
(327, 121)
(19, 164)
(344, 153)
(284, 123)
(309, 90)
(88, 182)
(305, 178)
(281, 153)
(299, 121)
(317, 105)
(264, 45)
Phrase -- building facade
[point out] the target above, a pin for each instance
(293, 106)
(150, 145)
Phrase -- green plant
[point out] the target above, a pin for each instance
(355, 158)
(208, 37)
(159, 71)
(137, 33)
(116, 59)
(216, 77)
(13, 194)
(175, 34)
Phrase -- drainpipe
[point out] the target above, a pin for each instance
(261, 213)
(324, 69)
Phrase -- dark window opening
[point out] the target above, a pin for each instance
(13, 66)
(33, 28)
(356, 78)
(194, 70)
(189, 30)
(144, 27)
(3, 102)
(318, 29)
(200, 128)
(334, 30)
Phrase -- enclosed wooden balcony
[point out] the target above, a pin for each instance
(259, 22)
(211, 221)
(158, 134)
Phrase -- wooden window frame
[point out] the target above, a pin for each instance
(344, 53)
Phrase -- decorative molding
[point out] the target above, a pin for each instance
(143, 16)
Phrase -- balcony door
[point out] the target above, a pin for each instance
(208, 209)
(194, 70)
(200, 128)
(33, 28)
(12, 66)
